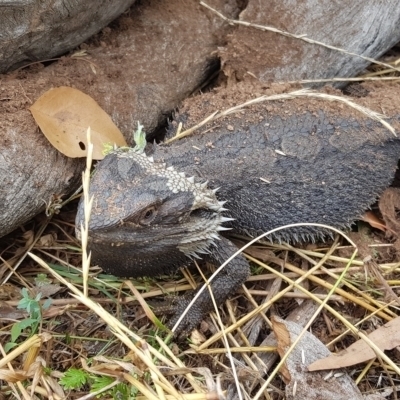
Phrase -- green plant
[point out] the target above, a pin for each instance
(34, 309)
(75, 379)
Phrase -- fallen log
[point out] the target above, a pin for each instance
(34, 30)
(368, 28)
(138, 70)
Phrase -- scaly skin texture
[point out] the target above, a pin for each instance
(310, 167)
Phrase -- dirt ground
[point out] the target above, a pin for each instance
(117, 348)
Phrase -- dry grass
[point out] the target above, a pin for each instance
(89, 326)
(97, 332)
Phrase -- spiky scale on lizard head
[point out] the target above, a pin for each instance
(149, 205)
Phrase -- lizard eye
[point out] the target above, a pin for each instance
(148, 216)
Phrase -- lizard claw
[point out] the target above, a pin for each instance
(176, 307)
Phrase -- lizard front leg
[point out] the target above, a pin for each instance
(223, 285)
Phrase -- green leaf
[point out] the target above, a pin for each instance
(107, 148)
(18, 327)
(24, 303)
(139, 136)
(123, 391)
(10, 345)
(15, 331)
(42, 278)
(67, 338)
(27, 323)
(74, 379)
(46, 304)
(101, 382)
(32, 306)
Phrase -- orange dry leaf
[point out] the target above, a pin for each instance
(374, 221)
(301, 384)
(64, 115)
(386, 337)
(282, 335)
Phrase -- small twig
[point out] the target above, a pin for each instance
(357, 325)
(322, 304)
(80, 55)
(37, 62)
(286, 96)
(212, 277)
(25, 95)
(180, 135)
(356, 79)
(27, 250)
(224, 336)
(104, 389)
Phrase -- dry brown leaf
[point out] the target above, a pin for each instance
(386, 337)
(370, 218)
(197, 338)
(283, 338)
(114, 364)
(389, 205)
(45, 287)
(304, 384)
(64, 115)
(9, 292)
(13, 376)
(8, 312)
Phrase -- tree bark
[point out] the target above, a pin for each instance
(368, 28)
(139, 69)
(34, 30)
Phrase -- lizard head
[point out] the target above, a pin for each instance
(147, 218)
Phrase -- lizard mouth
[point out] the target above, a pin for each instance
(155, 250)
(126, 261)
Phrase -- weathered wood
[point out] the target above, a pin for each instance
(368, 28)
(33, 30)
(32, 172)
(139, 69)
